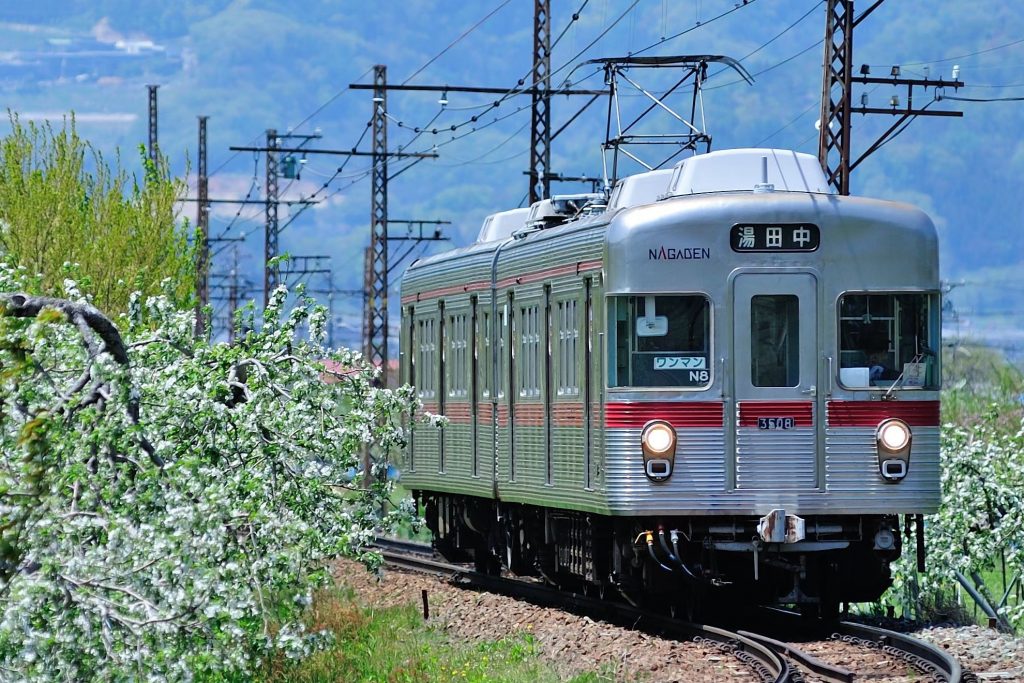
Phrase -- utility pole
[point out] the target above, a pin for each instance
(377, 285)
(540, 129)
(273, 148)
(367, 308)
(233, 295)
(153, 150)
(834, 144)
(271, 274)
(299, 267)
(230, 282)
(203, 236)
(540, 145)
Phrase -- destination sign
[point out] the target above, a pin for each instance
(656, 369)
(767, 237)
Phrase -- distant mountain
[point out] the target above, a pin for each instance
(255, 64)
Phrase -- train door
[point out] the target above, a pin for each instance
(513, 339)
(546, 389)
(588, 399)
(775, 380)
(442, 387)
(474, 388)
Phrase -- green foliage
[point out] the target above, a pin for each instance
(171, 518)
(62, 202)
(981, 517)
(978, 378)
(393, 644)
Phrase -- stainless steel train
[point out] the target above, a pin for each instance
(721, 376)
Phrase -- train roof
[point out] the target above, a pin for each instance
(501, 225)
(777, 180)
(732, 170)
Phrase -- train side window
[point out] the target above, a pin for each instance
(568, 344)
(425, 368)
(675, 353)
(500, 386)
(775, 340)
(888, 340)
(529, 346)
(458, 347)
(486, 367)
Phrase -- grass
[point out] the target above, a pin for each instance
(393, 645)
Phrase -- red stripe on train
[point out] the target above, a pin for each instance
(689, 414)
(528, 414)
(870, 413)
(567, 415)
(802, 412)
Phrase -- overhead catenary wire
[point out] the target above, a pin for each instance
(520, 87)
(248, 194)
(308, 118)
(953, 59)
(452, 44)
(515, 90)
(979, 99)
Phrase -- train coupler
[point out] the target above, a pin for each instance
(778, 527)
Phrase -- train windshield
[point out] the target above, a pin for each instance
(659, 341)
(889, 341)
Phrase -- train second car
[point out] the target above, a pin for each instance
(722, 375)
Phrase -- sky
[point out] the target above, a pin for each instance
(252, 65)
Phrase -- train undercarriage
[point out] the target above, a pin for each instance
(672, 560)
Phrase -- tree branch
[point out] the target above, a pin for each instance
(89, 320)
(25, 306)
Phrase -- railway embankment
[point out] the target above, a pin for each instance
(573, 645)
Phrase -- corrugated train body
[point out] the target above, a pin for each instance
(722, 376)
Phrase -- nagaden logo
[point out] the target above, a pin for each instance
(679, 254)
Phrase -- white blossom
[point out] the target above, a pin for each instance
(114, 568)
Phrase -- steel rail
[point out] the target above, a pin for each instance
(821, 669)
(763, 661)
(932, 661)
(399, 545)
(929, 659)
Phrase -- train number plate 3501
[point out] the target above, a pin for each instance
(776, 423)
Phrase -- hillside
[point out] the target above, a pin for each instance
(255, 64)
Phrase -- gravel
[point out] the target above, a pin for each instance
(573, 644)
(991, 655)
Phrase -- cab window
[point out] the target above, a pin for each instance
(659, 341)
(889, 341)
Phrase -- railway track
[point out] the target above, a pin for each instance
(774, 659)
(931, 663)
(763, 662)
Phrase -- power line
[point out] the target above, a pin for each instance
(699, 24)
(454, 42)
(518, 89)
(964, 56)
(979, 99)
(316, 111)
(252, 188)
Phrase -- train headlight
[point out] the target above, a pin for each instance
(893, 435)
(893, 438)
(658, 441)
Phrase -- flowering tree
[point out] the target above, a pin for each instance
(981, 516)
(167, 506)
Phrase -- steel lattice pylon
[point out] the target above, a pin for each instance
(153, 152)
(271, 273)
(540, 130)
(203, 223)
(834, 135)
(376, 351)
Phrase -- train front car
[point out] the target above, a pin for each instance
(771, 409)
